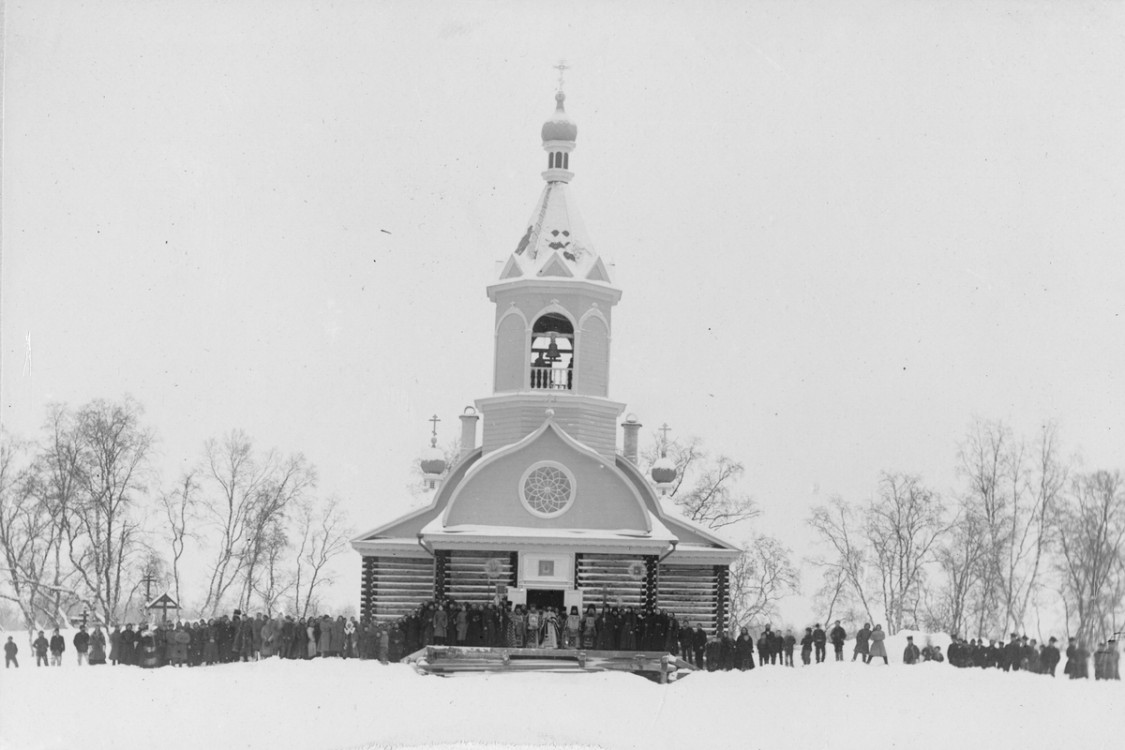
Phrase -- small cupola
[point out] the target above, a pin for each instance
(432, 462)
(559, 136)
(663, 470)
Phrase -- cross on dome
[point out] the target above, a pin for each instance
(562, 67)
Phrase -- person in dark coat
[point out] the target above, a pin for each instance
(10, 651)
(81, 644)
(687, 634)
(910, 654)
(1013, 653)
(1049, 658)
(382, 644)
(955, 651)
(128, 644)
(806, 647)
(995, 656)
(58, 646)
(41, 646)
(726, 652)
(475, 635)
(1029, 655)
(1100, 654)
(1071, 648)
(1081, 662)
(744, 650)
(300, 648)
(244, 639)
(699, 644)
(862, 638)
(838, 636)
(180, 639)
(210, 637)
(765, 643)
(788, 644)
(672, 637)
(713, 651)
(819, 640)
(257, 639)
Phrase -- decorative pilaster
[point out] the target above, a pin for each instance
(367, 588)
(441, 573)
(722, 597)
(652, 583)
(514, 558)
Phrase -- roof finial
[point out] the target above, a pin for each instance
(664, 430)
(562, 67)
(433, 439)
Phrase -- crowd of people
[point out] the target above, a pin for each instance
(224, 639)
(243, 637)
(1023, 654)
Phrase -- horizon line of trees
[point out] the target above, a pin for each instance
(86, 524)
(1024, 523)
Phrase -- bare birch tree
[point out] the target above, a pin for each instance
(1012, 489)
(29, 536)
(1090, 532)
(96, 463)
(903, 525)
(960, 557)
(322, 534)
(178, 506)
(274, 579)
(762, 576)
(846, 564)
(244, 495)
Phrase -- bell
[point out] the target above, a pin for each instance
(553, 350)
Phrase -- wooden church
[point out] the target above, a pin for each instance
(545, 509)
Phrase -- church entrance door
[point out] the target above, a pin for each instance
(543, 598)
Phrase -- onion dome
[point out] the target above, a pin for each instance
(663, 471)
(560, 127)
(433, 462)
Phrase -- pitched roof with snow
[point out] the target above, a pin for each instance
(554, 242)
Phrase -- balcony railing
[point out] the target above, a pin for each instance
(552, 378)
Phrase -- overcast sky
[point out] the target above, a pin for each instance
(841, 234)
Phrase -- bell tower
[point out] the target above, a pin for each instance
(554, 301)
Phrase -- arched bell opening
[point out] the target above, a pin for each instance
(552, 353)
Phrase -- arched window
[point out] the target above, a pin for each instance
(552, 353)
(551, 160)
(566, 161)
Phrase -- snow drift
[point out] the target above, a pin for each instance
(352, 704)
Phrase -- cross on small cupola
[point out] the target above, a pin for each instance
(663, 469)
(562, 67)
(433, 458)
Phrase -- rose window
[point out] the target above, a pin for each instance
(547, 489)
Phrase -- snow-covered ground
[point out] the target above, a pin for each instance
(352, 704)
